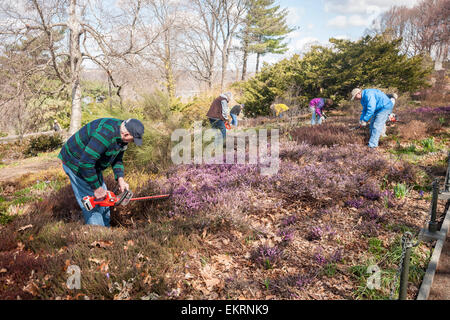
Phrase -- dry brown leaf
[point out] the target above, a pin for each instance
(224, 259)
(31, 288)
(101, 244)
(211, 283)
(188, 276)
(104, 267)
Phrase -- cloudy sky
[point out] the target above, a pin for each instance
(319, 20)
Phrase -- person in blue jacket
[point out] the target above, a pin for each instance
(376, 108)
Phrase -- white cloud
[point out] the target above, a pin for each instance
(300, 44)
(338, 21)
(354, 20)
(294, 15)
(342, 37)
(364, 6)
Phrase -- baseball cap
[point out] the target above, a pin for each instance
(355, 92)
(136, 129)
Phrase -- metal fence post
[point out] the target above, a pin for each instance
(432, 225)
(405, 274)
(447, 176)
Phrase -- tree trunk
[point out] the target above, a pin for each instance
(244, 65)
(245, 58)
(75, 67)
(257, 62)
(225, 57)
(168, 66)
(110, 94)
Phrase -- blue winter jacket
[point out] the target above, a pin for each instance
(373, 101)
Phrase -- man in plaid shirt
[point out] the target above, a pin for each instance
(96, 146)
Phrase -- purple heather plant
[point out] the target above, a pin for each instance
(371, 192)
(331, 233)
(355, 203)
(303, 281)
(289, 221)
(287, 235)
(266, 256)
(336, 256)
(371, 214)
(314, 234)
(432, 110)
(369, 228)
(319, 257)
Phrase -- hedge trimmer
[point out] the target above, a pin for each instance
(123, 199)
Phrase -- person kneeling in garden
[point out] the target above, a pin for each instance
(278, 109)
(96, 146)
(376, 107)
(316, 107)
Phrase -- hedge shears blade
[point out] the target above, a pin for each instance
(123, 199)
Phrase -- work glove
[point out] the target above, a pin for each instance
(362, 123)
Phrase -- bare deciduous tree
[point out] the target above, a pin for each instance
(424, 28)
(90, 32)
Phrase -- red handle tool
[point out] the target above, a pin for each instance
(90, 202)
(111, 199)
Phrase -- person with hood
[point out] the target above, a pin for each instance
(96, 146)
(316, 107)
(218, 114)
(376, 108)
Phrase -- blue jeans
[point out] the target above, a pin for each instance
(99, 216)
(220, 125)
(315, 119)
(234, 120)
(376, 126)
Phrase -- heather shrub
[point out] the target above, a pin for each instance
(43, 143)
(369, 228)
(287, 235)
(371, 191)
(315, 233)
(266, 256)
(372, 214)
(404, 173)
(326, 135)
(355, 203)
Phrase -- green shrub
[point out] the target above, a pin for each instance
(43, 143)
